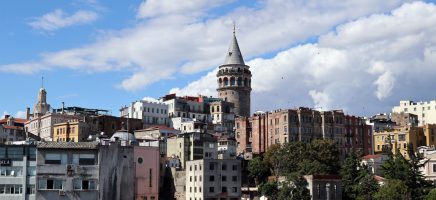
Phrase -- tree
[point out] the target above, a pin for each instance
(326, 153)
(431, 195)
(358, 181)
(294, 188)
(269, 189)
(415, 181)
(258, 169)
(392, 190)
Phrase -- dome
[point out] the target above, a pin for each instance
(124, 136)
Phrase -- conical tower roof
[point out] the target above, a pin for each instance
(234, 55)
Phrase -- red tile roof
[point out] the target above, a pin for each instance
(16, 120)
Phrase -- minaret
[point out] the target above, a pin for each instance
(234, 79)
(41, 107)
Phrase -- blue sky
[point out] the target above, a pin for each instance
(105, 54)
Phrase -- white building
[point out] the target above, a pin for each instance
(42, 126)
(429, 169)
(426, 111)
(226, 148)
(213, 179)
(151, 112)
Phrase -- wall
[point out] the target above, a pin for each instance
(146, 159)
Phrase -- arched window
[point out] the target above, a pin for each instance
(220, 82)
(249, 82)
(239, 69)
(232, 81)
(226, 81)
(239, 81)
(246, 82)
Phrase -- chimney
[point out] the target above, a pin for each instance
(27, 113)
(63, 106)
(7, 116)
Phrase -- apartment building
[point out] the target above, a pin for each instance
(213, 179)
(192, 146)
(17, 171)
(150, 112)
(73, 131)
(425, 110)
(398, 139)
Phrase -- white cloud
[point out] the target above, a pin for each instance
(170, 41)
(365, 66)
(150, 99)
(20, 114)
(59, 19)
(155, 8)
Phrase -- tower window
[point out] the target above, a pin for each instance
(239, 81)
(232, 81)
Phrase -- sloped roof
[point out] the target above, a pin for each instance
(67, 145)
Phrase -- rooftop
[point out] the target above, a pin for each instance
(67, 145)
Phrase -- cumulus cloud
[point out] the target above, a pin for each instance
(168, 41)
(59, 19)
(20, 114)
(364, 66)
(150, 99)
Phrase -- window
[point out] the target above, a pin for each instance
(235, 167)
(211, 189)
(234, 189)
(223, 189)
(211, 178)
(150, 174)
(434, 167)
(80, 184)
(50, 184)
(55, 158)
(224, 167)
(211, 167)
(11, 189)
(30, 189)
(140, 160)
(234, 178)
(224, 178)
(84, 159)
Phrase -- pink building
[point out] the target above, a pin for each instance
(147, 172)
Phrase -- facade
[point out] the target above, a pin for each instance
(324, 186)
(234, 80)
(380, 122)
(67, 171)
(146, 172)
(404, 119)
(111, 124)
(257, 133)
(73, 131)
(192, 146)
(399, 138)
(226, 147)
(42, 125)
(426, 111)
(186, 107)
(151, 112)
(358, 135)
(213, 179)
(223, 116)
(12, 129)
(17, 171)
(429, 169)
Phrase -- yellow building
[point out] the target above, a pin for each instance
(430, 134)
(400, 138)
(72, 131)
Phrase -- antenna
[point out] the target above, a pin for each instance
(42, 81)
(234, 27)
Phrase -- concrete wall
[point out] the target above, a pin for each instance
(117, 172)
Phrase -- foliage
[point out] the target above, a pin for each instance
(258, 169)
(431, 195)
(392, 190)
(295, 188)
(358, 181)
(269, 189)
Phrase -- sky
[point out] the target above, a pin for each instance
(362, 56)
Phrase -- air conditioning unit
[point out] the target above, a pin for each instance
(61, 193)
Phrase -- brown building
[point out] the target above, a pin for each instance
(358, 135)
(234, 80)
(255, 134)
(110, 124)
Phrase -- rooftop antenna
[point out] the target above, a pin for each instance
(42, 81)
(234, 27)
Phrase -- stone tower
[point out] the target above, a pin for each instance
(41, 107)
(234, 80)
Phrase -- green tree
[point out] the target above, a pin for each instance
(431, 195)
(415, 180)
(295, 188)
(326, 153)
(358, 181)
(258, 169)
(392, 190)
(269, 189)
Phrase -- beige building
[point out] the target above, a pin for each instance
(192, 146)
(223, 116)
(213, 179)
(426, 111)
(73, 131)
(399, 138)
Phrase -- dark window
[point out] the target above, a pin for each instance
(50, 184)
(224, 178)
(234, 178)
(211, 166)
(211, 189)
(224, 167)
(223, 189)
(211, 178)
(235, 167)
